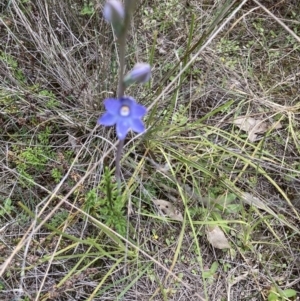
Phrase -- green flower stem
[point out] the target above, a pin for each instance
(118, 162)
(129, 5)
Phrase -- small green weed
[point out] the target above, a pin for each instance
(166, 14)
(7, 207)
(88, 9)
(106, 204)
(59, 218)
(12, 64)
(210, 273)
(228, 50)
(33, 159)
(52, 102)
(282, 295)
(179, 117)
(56, 175)
(29, 160)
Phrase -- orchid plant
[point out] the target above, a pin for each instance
(124, 111)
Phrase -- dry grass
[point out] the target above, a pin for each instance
(211, 64)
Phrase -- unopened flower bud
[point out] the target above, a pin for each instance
(140, 73)
(114, 13)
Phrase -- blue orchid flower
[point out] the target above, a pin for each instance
(126, 113)
(113, 11)
(140, 74)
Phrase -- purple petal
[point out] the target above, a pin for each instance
(113, 11)
(123, 126)
(107, 13)
(107, 119)
(137, 110)
(137, 126)
(140, 73)
(112, 105)
(127, 100)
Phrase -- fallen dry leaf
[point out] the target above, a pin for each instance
(252, 200)
(169, 209)
(237, 279)
(253, 126)
(217, 238)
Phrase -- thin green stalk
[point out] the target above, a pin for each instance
(129, 6)
(118, 162)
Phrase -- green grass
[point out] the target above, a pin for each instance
(68, 234)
